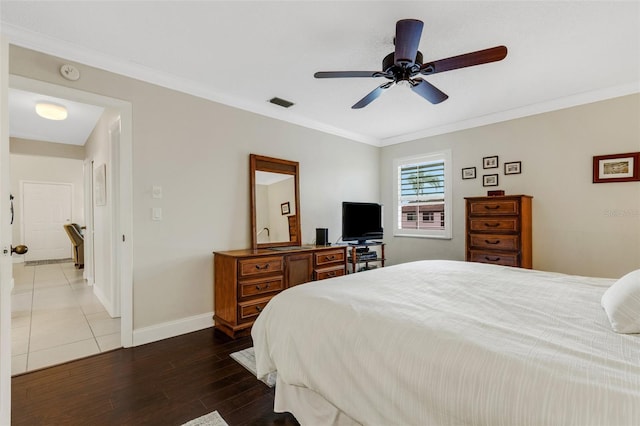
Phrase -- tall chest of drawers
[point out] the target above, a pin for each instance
(245, 280)
(499, 230)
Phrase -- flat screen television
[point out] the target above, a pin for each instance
(361, 222)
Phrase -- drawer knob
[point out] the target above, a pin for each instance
(492, 242)
(265, 266)
(329, 257)
(492, 259)
(496, 207)
(264, 287)
(492, 225)
(331, 274)
(259, 308)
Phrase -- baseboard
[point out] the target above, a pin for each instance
(169, 329)
(97, 290)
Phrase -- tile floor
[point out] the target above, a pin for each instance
(55, 317)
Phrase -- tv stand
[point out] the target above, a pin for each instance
(362, 258)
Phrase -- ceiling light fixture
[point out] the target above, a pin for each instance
(51, 111)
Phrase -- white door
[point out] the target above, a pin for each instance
(5, 241)
(46, 208)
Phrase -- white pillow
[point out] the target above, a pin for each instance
(621, 302)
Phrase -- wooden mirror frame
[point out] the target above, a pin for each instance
(273, 165)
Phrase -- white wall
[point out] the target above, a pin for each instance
(278, 193)
(198, 152)
(97, 150)
(262, 220)
(36, 168)
(578, 227)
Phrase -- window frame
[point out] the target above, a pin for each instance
(432, 157)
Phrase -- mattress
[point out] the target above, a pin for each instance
(452, 343)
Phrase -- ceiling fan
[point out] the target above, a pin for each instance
(403, 65)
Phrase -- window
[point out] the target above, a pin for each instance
(423, 195)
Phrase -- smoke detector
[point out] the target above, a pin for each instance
(69, 72)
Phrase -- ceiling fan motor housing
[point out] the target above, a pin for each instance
(401, 72)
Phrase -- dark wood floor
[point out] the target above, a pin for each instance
(163, 383)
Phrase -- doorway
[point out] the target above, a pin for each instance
(116, 247)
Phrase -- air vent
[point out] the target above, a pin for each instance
(281, 102)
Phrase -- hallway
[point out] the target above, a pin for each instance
(55, 318)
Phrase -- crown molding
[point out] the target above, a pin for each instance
(68, 51)
(529, 110)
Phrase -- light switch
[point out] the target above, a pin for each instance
(156, 213)
(156, 191)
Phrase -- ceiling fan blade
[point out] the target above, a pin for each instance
(428, 91)
(408, 32)
(479, 57)
(372, 96)
(343, 74)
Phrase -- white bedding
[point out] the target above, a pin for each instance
(454, 343)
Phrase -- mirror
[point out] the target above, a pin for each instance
(275, 204)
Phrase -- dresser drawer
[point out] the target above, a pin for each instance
(494, 242)
(328, 257)
(323, 274)
(490, 207)
(260, 265)
(495, 258)
(507, 224)
(248, 311)
(260, 286)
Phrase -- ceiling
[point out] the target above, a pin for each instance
(241, 53)
(26, 124)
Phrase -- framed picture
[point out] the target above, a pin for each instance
(490, 162)
(285, 208)
(469, 173)
(616, 167)
(100, 185)
(513, 168)
(490, 180)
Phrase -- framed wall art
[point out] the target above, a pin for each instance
(285, 208)
(616, 167)
(513, 168)
(490, 180)
(469, 173)
(100, 185)
(490, 162)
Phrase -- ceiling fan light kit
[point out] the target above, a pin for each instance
(405, 64)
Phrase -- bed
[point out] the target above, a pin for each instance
(451, 343)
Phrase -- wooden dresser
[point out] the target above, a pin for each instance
(245, 280)
(499, 230)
